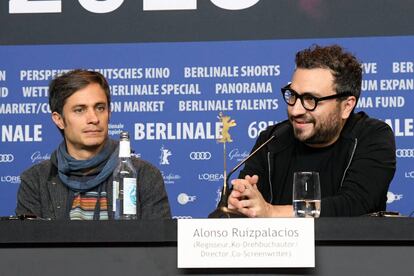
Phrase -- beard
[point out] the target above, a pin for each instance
(325, 129)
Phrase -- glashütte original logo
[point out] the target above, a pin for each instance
(6, 157)
(38, 157)
(237, 155)
(200, 155)
(391, 197)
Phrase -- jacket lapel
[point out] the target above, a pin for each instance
(58, 194)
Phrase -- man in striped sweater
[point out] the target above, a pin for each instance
(76, 182)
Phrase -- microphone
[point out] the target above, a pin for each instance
(248, 157)
(222, 211)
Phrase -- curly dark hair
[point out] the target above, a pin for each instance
(65, 85)
(345, 67)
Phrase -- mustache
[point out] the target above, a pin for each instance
(302, 119)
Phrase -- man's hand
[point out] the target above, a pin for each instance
(247, 199)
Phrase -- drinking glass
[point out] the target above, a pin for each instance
(306, 194)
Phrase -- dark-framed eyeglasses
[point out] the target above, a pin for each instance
(309, 102)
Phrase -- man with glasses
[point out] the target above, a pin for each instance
(354, 154)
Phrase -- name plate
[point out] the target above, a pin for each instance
(246, 242)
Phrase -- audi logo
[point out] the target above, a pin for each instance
(200, 155)
(6, 158)
(405, 153)
(182, 217)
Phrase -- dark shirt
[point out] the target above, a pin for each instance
(355, 171)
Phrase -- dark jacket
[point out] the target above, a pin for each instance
(363, 170)
(41, 192)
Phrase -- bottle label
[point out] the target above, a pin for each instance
(124, 149)
(130, 196)
(115, 194)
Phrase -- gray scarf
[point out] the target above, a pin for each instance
(99, 167)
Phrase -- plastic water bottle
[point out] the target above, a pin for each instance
(125, 195)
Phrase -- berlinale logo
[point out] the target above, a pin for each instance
(6, 158)
(165, 154)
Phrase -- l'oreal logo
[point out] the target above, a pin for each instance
(212, 177)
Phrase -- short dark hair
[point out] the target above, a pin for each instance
(63, 86)
(345, 67)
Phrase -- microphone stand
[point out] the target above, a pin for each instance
(222, 211)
